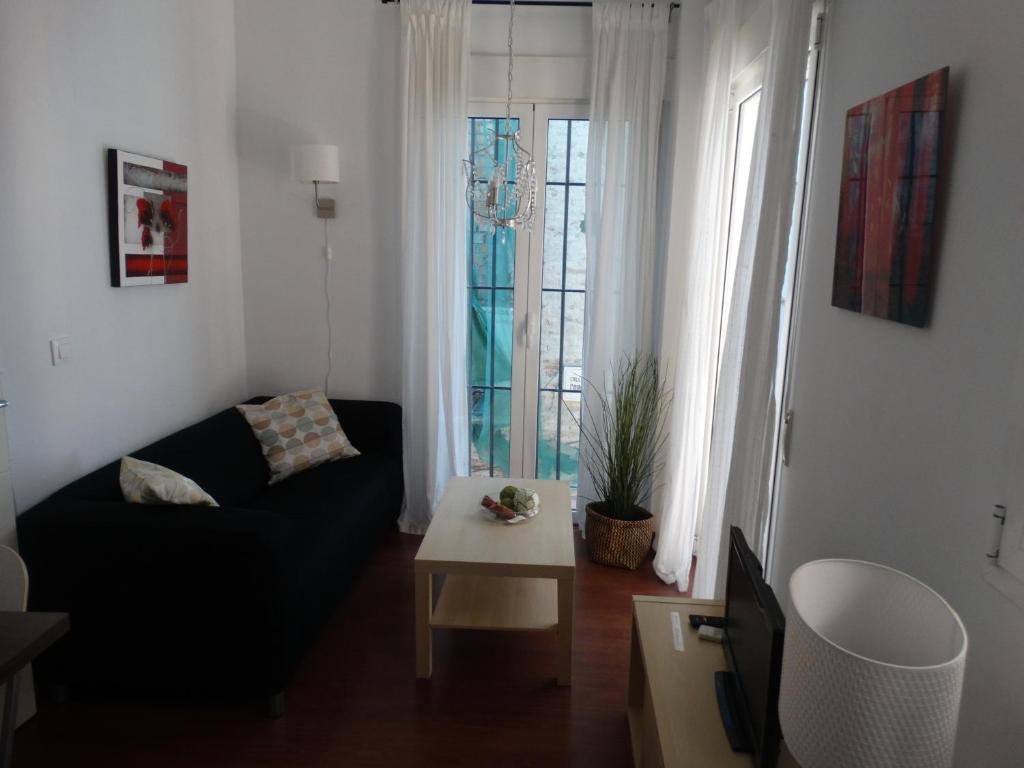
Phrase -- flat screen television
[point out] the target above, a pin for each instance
(748, 694)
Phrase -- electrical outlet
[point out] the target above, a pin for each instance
(60, 349)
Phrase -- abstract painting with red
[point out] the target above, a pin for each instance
(885, 242)
(148, 220)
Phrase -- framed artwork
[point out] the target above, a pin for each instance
(148, 220)
(885, 242)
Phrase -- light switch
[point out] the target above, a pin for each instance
(60, 349)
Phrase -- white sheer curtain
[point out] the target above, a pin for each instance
(745, 414)
(435, 87)
(700, 241)
(630, 54)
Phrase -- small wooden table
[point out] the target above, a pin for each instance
(23, 636)
(671, 704)
(498, 576)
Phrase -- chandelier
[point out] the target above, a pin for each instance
(501, 182)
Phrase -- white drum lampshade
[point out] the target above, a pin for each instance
(315, 163)
(872, 669)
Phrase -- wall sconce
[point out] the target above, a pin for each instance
(317, 164)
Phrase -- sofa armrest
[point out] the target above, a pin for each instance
(105, 556)
(144, 582)
(373, 426)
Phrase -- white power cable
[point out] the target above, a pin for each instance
(327, 296)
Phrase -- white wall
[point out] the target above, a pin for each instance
(538, 31)
(320, 71)
(75, 78)
(329, 71)
(897, 430)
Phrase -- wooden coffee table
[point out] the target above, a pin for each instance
(497, 576)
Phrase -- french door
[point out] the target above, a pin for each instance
(526, 294)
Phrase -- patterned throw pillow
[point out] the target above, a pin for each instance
(297, 431)
(143, 482)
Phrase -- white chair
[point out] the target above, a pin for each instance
(13, 597)
(13, 581)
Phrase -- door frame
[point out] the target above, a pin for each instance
(533, 116)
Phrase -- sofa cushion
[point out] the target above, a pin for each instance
(335, 489)
(296, 432)
(336, 510)
(143, 482)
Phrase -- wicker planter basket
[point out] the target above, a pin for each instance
(621, 543)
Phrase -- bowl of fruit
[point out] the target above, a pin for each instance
(514, 505)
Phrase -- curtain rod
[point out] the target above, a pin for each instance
(541, 3)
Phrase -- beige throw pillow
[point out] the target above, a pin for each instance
(297, 431)
(143, 482)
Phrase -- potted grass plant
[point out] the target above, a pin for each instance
(622, 438)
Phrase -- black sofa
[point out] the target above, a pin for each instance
(200, 601)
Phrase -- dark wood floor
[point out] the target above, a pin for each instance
(354, 700)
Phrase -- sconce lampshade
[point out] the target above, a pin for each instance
(315, 163)
(872, 669)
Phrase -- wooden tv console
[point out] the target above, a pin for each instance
(671, 705)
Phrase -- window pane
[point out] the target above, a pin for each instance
(504, 257)
(572, 341)
(502, 432)
(503, 336)
(547, 435)
(745, 130)
(578, 160)
(550, 338)
(480, 337)
(568, 462)
(480, 421)
(513, 126)
(576, 241)
(558, 137)
(554, 234)
(480, 259)
(482, 135)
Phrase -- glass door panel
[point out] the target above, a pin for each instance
(494, 360)
(562, 289)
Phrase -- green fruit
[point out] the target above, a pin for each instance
(508, 490)
(507, 499)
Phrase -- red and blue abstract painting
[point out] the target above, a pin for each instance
(148, 220)
(886, 238)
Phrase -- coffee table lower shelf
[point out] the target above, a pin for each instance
(497, 603)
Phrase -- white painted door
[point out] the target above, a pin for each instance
(9, 536)
(790, 293)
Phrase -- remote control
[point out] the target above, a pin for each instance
(698, 620)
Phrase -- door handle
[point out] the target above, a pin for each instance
(529, 329)
(787, 428)
(4, 403)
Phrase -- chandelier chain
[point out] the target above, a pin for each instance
(508, 101)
